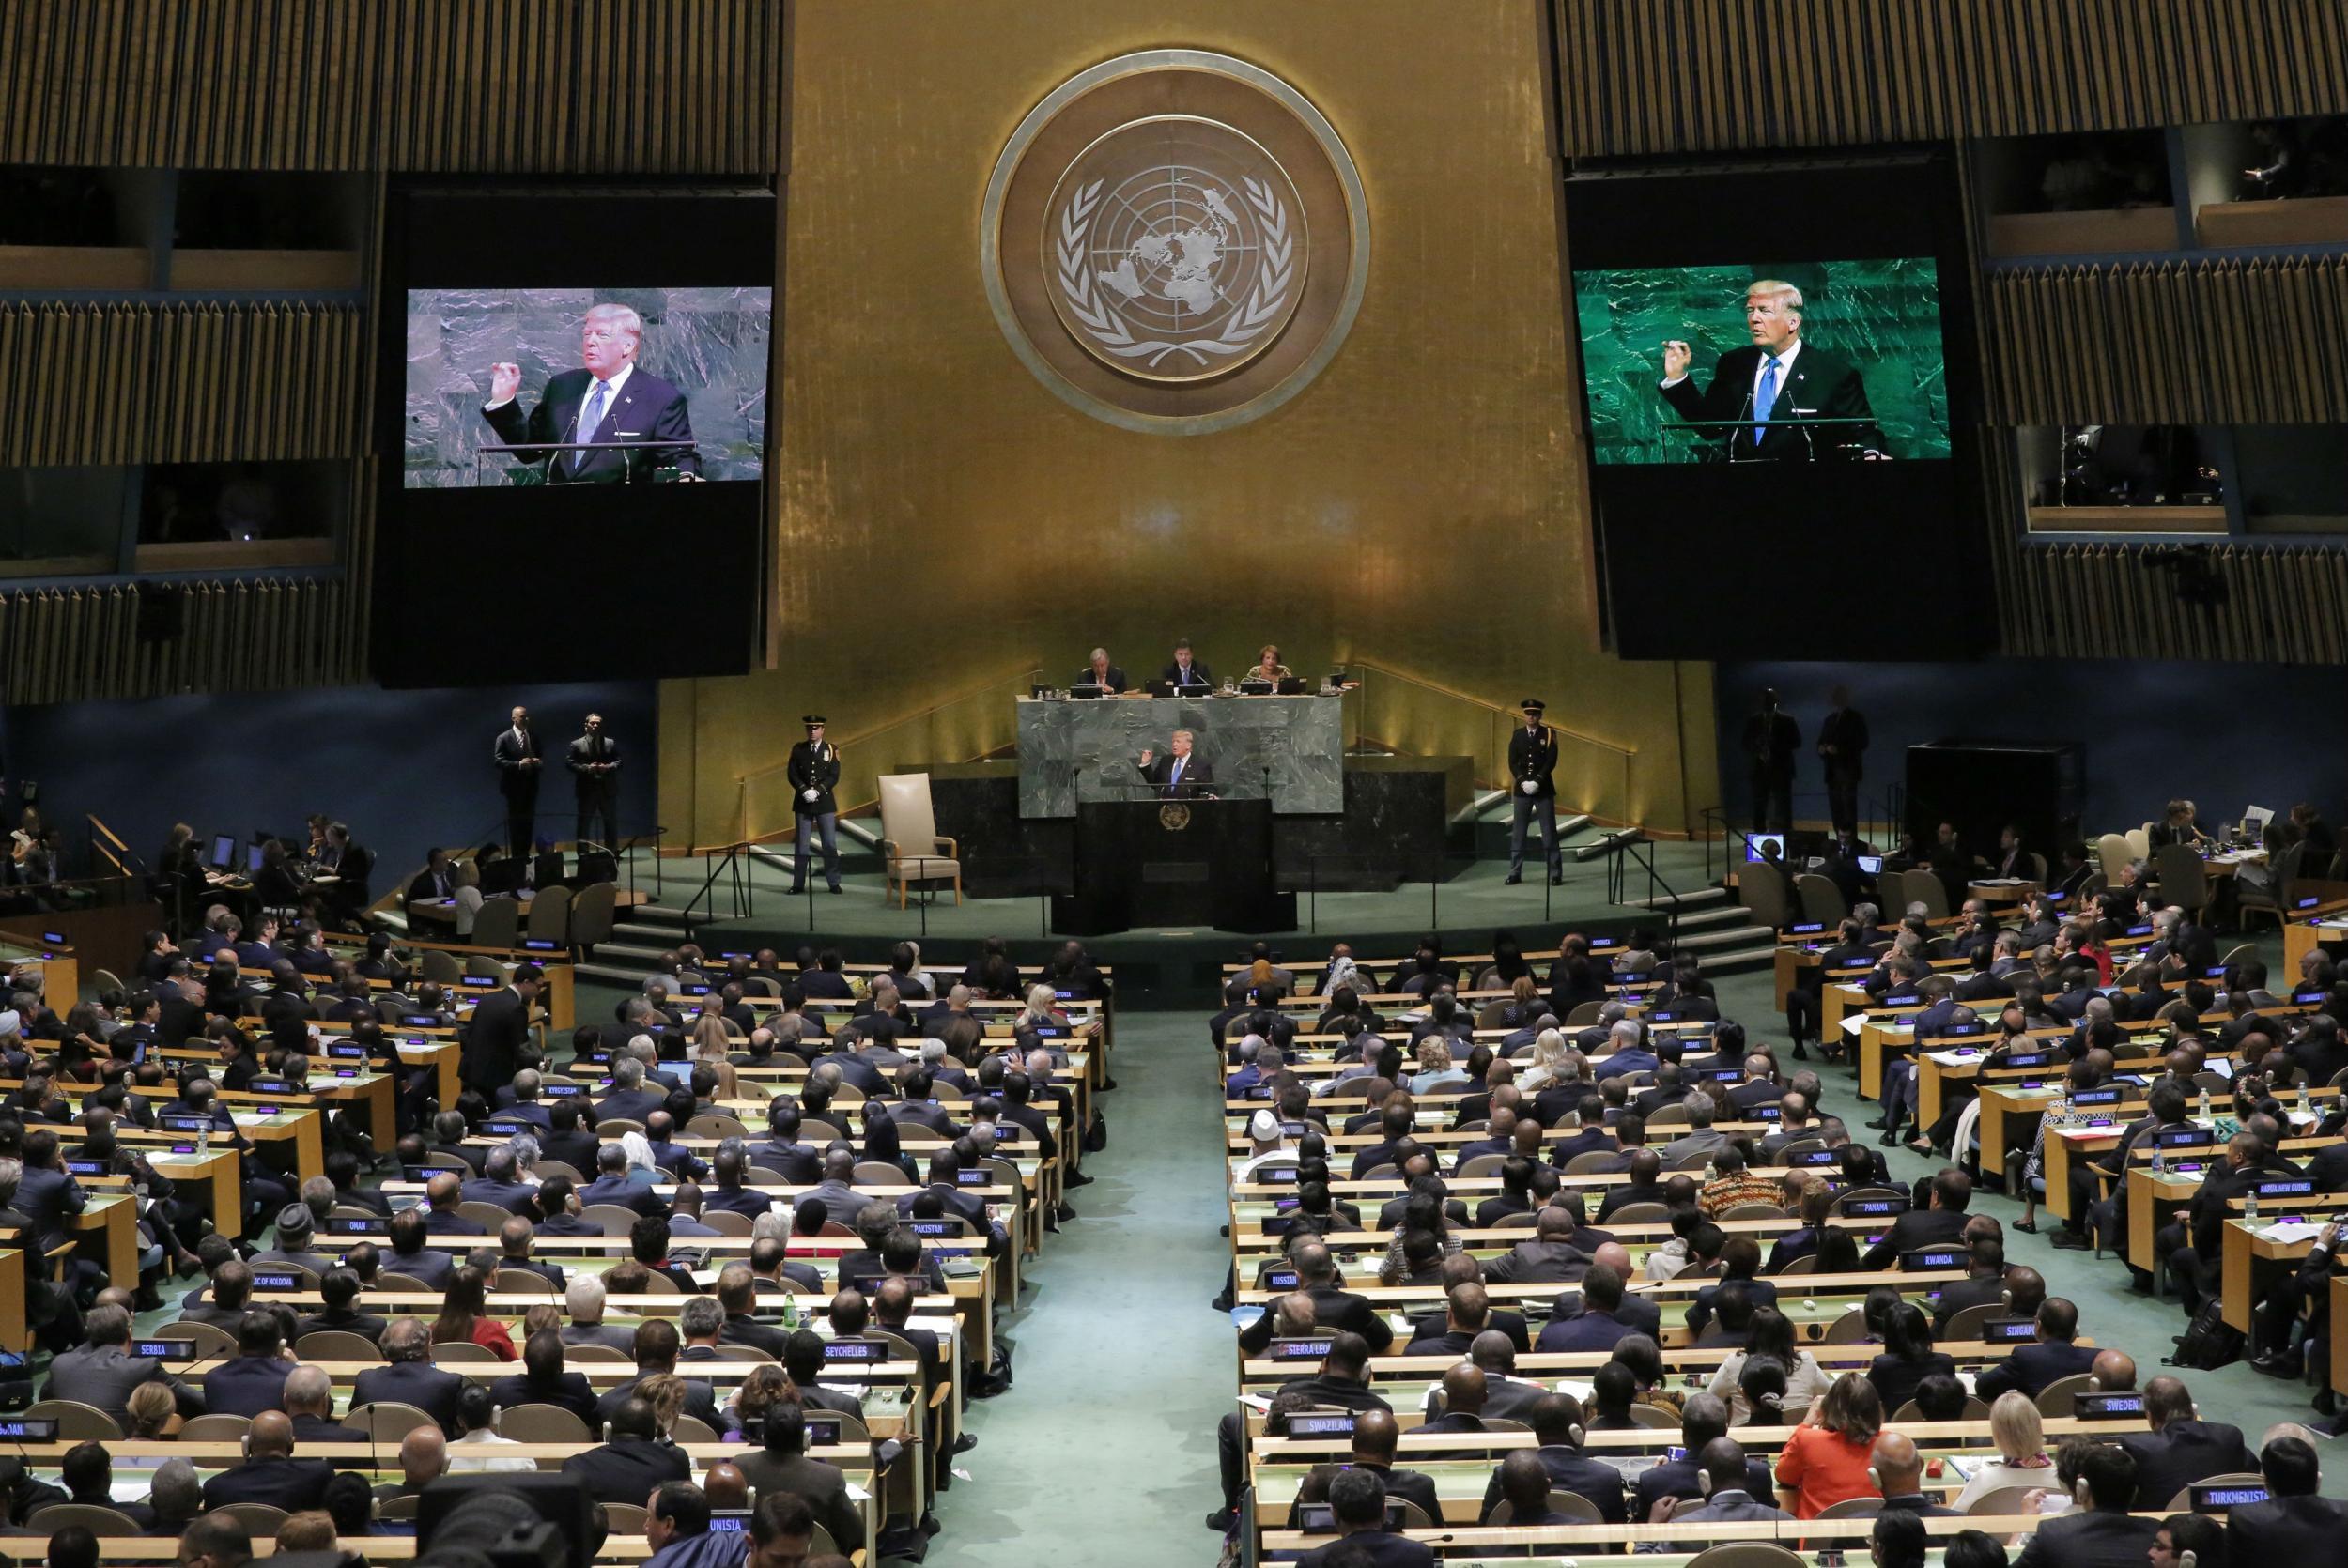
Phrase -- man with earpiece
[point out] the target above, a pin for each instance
(1704, 1419)
(2101, 1533)
(2181, 1448)
(2198, 1541)
(1898, 1472)
(1721, 1480)
(2293, 1525)
(1556, 1421)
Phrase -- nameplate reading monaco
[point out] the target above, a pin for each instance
(1175, 241)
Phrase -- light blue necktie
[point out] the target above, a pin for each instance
(1177, 776)
(1764, 396)
(594, 417)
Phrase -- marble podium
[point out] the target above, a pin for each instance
(1072, 752)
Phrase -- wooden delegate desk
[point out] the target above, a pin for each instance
(14, 1334)
(2251, 1256)
(2339, 1370)
(2068, 1146)
(60, 971)
(1458, 1546)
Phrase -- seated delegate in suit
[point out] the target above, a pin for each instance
(270, 1473)
(2101, 1533)
(1185, 670)
(2293, 1525)
(611, 400)
(1357, 1500)
(1777, 383)
(1102, 674)
(2181, 1448)
(1178, 775)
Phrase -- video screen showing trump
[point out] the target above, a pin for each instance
(585, 386)
(1815, 361)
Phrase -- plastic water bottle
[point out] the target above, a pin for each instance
(2160, 1161)
(2206, 1102)
(2250, 1204)
(203, 1142)
(790, 1312)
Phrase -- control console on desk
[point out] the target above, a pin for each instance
(1153, 862)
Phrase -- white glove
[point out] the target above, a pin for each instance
(808, 795)
(1530, 786)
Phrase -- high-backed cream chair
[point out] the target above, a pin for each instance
(916, 850)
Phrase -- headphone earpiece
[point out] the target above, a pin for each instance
(2082, 1493)
(1704, 1483)
(1875, 1477)
(2187, 1559)
(1577, 1434)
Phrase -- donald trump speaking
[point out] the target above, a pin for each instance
(1780, 385)
(610, 402)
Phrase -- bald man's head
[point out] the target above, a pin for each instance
(1615, 1255)
(2112, 1371)
(1492, 1350)
(2025, 1291)
(1463, 1388)
(1898, 1467)
(1470, 1307)
(726, 1486)
(271, 1436)
(1374, 1435)
(422, 1456)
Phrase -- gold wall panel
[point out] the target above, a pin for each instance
(184, 383)
(1643, 76)
(511, 85)
(942, 518)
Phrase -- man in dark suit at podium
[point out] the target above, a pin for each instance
(609, 401)
(1178, 775)
(1779, 384)
(1185, 670)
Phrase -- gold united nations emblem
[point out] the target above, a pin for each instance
(1174, 818)
(1175, 241)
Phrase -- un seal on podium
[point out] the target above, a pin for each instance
(1174, 818)
(1175, 241)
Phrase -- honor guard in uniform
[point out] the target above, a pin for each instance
(1533, 764)
(814, 771)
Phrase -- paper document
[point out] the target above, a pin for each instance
(2289, 1235)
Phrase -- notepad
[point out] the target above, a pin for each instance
(2288, 1234)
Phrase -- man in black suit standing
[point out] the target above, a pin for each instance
(2293, 1525)
(500, 1028)
(814, 773)
(594, 761)
(609, 401)
(1099, 673)
(1184, 671)
(519, 767)
(1770, 738)
(1842, 747)
(1765, 394)
(1178, 775)
(1533, 764)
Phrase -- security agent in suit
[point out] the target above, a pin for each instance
(1769, 740)
(2101, 1533)
(1842, 747)
(1532, 765)
(1102, 674)
(611, 399)
(634, 1461)
(814, 771)
(1357, 1499)
(409, 1379)
(520, 764)
(1766, 392)
(1179, 774)
(2181, 1448)
(781, 1465)
(1185, 672)
(270, 1473)
(102, 1372)
(594, 760)
(2293, 1525)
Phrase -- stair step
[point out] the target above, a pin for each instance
(1709, 942)
(594, 969)
(1694, 898)
(1706, 916)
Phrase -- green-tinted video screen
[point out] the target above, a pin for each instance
(1796, 362)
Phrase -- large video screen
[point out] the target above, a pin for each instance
(574, 386)
(1778, 401)
(609, 385)
(1814, 361)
